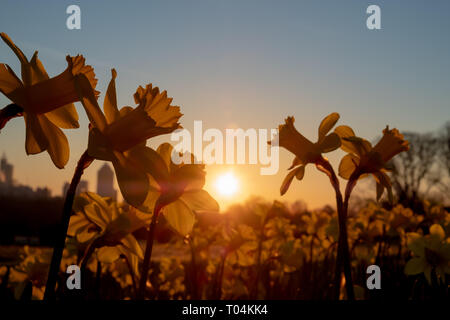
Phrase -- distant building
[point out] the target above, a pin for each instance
(43, 192)
(82, 187)
(105, 182)
(11, 189)
(6, 172)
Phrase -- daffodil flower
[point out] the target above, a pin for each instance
(363, 159)
(33, 269)
(430, 253)
(177, 189)
(107, 228)
(47, 103)
(304, 150)
(174, 189)
(120, 136)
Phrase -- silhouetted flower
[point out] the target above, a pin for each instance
(431, 253)
(363, 159)
(107, 227)
(176, 188)
(47, 102)
(120, 136)
(304, 150)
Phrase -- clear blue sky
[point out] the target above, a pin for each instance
(247, 64)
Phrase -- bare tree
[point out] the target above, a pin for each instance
(423, 172)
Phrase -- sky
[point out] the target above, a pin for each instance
(243, 64)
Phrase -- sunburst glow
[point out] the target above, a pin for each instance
(227, 184)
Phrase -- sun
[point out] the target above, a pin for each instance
(227, 184)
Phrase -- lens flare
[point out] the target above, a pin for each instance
(227, 184)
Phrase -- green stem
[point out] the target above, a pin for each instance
(148, 253)
(83, 163)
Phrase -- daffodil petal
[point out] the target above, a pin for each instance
(132, 259)
(295, 163)
(89, 101)
(108, 254)
(98, 146)
(300, 172)
(415, 266)
(38, 72)
(151, 198)
(165, 150)
(330, 143)
(348, 165)
(133, 183)
(151, 162)
(200, 200)
(77, 222)
(58, 145)
(179, 217)
(26, 74)
(287, 181)
(346, 132)
(42, 135)
(357, 145)
(110, 102)
(65, 117)
(8, 80)
(93, 213)
(132, 245)
(383, 180)
(105, 210)
(437, 231)
(35, 141)
(327, 123)
(189, 177)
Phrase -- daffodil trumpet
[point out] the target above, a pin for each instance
(83, 163)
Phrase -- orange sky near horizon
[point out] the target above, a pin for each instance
(250, 64)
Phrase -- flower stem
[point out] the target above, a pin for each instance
(148, 253)
(133, 278)
(344, 240)
(9, 112)
(343, 256)
(83, 163)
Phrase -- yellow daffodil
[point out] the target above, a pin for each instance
(33, 269)
(47, 103)
(304, 150)
(177, 189)
(120, 136)
(107, 228)
(363, 159)
(431, 253)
